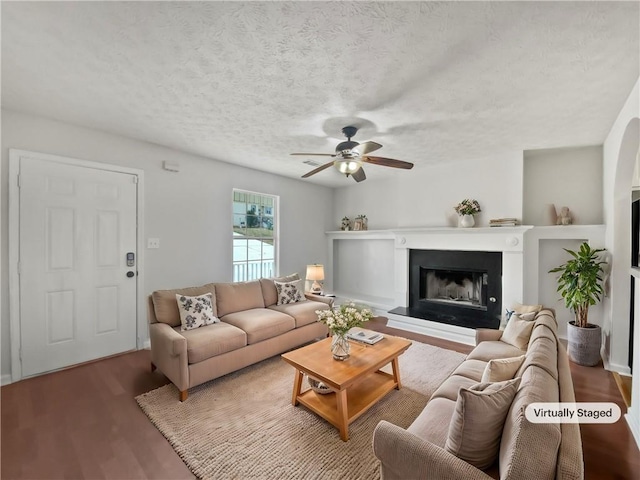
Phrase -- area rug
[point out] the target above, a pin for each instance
(243, 426)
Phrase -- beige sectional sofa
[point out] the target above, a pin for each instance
(252, 328)
(527, 450)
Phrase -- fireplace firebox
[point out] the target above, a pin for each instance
(461, 288)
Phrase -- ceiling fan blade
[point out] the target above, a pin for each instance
(388, 162)
(366, 147)
(319, 169)
(359, 175)
(315, 154)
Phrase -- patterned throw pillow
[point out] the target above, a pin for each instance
(195, 311)
(289, 292)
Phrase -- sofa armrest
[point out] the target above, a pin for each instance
(487, 334)
(320, 298)
(166, 339)
(406, 456)
(169, 354)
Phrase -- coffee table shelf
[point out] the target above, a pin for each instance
(357, 383)
(360, 398)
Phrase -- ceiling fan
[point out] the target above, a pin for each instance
(350, 156)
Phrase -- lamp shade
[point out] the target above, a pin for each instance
(315, 272)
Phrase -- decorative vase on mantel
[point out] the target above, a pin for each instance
(340, 347)
(467, 221)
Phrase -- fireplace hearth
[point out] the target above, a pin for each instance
(462, 288)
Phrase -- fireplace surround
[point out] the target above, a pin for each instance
(455, 287)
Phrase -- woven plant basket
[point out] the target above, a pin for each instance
(584, 344)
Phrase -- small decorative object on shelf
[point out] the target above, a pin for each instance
(318, 387)
(466, 209)
(503, 222)
(564, 217)
(346, 224)
(360, 222)
(339, 321)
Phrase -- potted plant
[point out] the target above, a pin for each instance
(466, 209)
(580, 284)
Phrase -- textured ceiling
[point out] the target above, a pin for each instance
(250, 82)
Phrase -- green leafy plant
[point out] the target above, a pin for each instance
(467, 207)
(580, 281)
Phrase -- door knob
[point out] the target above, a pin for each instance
(130, 274)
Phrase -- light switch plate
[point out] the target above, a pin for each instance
(153, 243)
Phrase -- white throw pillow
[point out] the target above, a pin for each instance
(518, 330)
(478, 420)
(520, 308)
(195, 311)
(289, 292)
(501, 369)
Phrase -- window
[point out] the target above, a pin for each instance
(254, 235)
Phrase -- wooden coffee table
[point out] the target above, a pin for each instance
(357, 382)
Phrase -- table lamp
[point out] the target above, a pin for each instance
(315, 272)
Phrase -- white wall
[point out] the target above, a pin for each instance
(569, 177)
(190, 211)
(619, 155)
(425, 197)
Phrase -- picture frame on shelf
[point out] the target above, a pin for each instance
(357, 225)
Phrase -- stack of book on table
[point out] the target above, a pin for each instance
(503, 222)
(365, 336)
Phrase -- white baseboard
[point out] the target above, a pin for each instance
(5, 380)
(146, 345)
(433, 329)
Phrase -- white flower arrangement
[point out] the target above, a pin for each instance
(342, 319)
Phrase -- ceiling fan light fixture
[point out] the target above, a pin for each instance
(348, 166)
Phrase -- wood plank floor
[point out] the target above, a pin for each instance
(83, 423)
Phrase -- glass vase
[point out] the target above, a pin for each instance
(340, 347)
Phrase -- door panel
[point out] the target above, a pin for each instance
(76, 226)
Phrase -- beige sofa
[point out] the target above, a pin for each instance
(527, 450)
(252, 328)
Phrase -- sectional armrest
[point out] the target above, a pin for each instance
(487, 334)
(165, 339)
(406, 456)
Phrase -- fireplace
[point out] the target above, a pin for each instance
(462, 288)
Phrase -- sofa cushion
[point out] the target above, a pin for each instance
(290, 292)
(518, 331)
(501, 369)
(195, 311)
(433, 422)
(477, 422)
(260, 323)
(472, 369)
(520, 308)
(165, 305)
(530, 450)
(450, 387)
(269, 292)
(237, 297)
(212, 340)
(494, 349)
(304, 313)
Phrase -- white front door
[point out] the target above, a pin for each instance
(77, 294)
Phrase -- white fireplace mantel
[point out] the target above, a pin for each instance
(397, 243)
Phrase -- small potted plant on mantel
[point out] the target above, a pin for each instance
(580, 284)
(466, 209)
